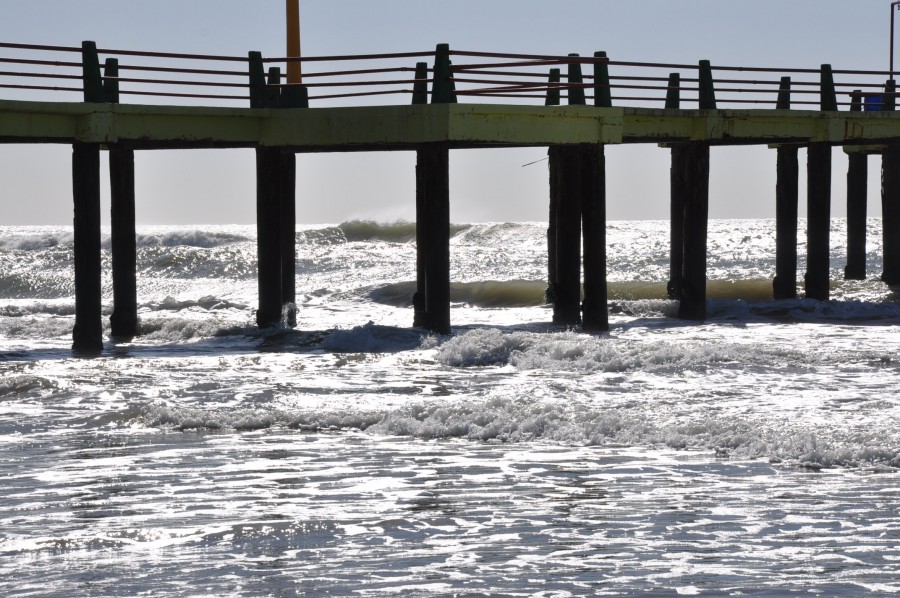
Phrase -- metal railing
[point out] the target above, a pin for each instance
(59, 73)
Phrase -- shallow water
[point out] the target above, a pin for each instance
(755, 454)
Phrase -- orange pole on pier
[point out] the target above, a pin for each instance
(294, 74)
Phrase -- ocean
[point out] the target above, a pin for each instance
(754, 454)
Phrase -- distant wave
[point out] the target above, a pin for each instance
(191, 238)
(395, 232)
(529, 293)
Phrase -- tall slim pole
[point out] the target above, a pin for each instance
(294, 74)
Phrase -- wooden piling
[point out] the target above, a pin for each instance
(890, 214)
(433, 238)
(87, 336)
(676, 220)
(288, 233)
(268, 236)
(124, 319)
(784, 286)
(565, 233)
(595, 314)
(818, 227)
(857, 179)
(696, 213)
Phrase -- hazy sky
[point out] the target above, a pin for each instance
(218, 187)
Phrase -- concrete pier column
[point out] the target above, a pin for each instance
(87, 337)
(268, 232)
(696, 213)
(288, 233)
(432, 300)
(124, 319)
(818, 227)
(676, 221)
(565, 234)
(857, 175)
(595, 314)
(890, 214)
(786, 206)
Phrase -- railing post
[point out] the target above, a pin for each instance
(93, 81)
(856, 100)
(673, 92)
(553, 96)
(602, 90)
(707, 87)
(827, 95)
(443, 89)
(784, 94)
(257, 80)
(576, 80)
(420, 86)
(111, 81)
(889, 102)
(273, 91)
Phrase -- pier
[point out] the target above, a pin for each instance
(442, 100)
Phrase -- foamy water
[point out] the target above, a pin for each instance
(755, 453)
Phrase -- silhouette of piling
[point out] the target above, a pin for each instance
(818, 224)
(432, 299)
(890, 214)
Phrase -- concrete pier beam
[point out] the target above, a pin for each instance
(432, 300)
(818, 227)
(87, 337)
(124, 319)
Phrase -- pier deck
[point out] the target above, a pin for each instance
(480, 100)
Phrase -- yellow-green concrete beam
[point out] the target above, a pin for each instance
(462, 125)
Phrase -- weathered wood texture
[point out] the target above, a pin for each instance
(786, 207)
(87, 337)
(695, 182)
(818, 223)
(124, 319)
(857, 176)
(432, 301)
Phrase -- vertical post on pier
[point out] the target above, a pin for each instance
(818, 253)
(420, 85)
(602, 89)
(565, 233)
(695, 181)
(857, 178)
(553, 99)
(677, 190)
(87, 337)
(595, 314)
(890, 214)
(432, 300)
(576, 83)
(787, 196)
(787, 200)
(288, 232)
(124, 319)
(676, 198)
(268, 239)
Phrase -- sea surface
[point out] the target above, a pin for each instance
(754, 454)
